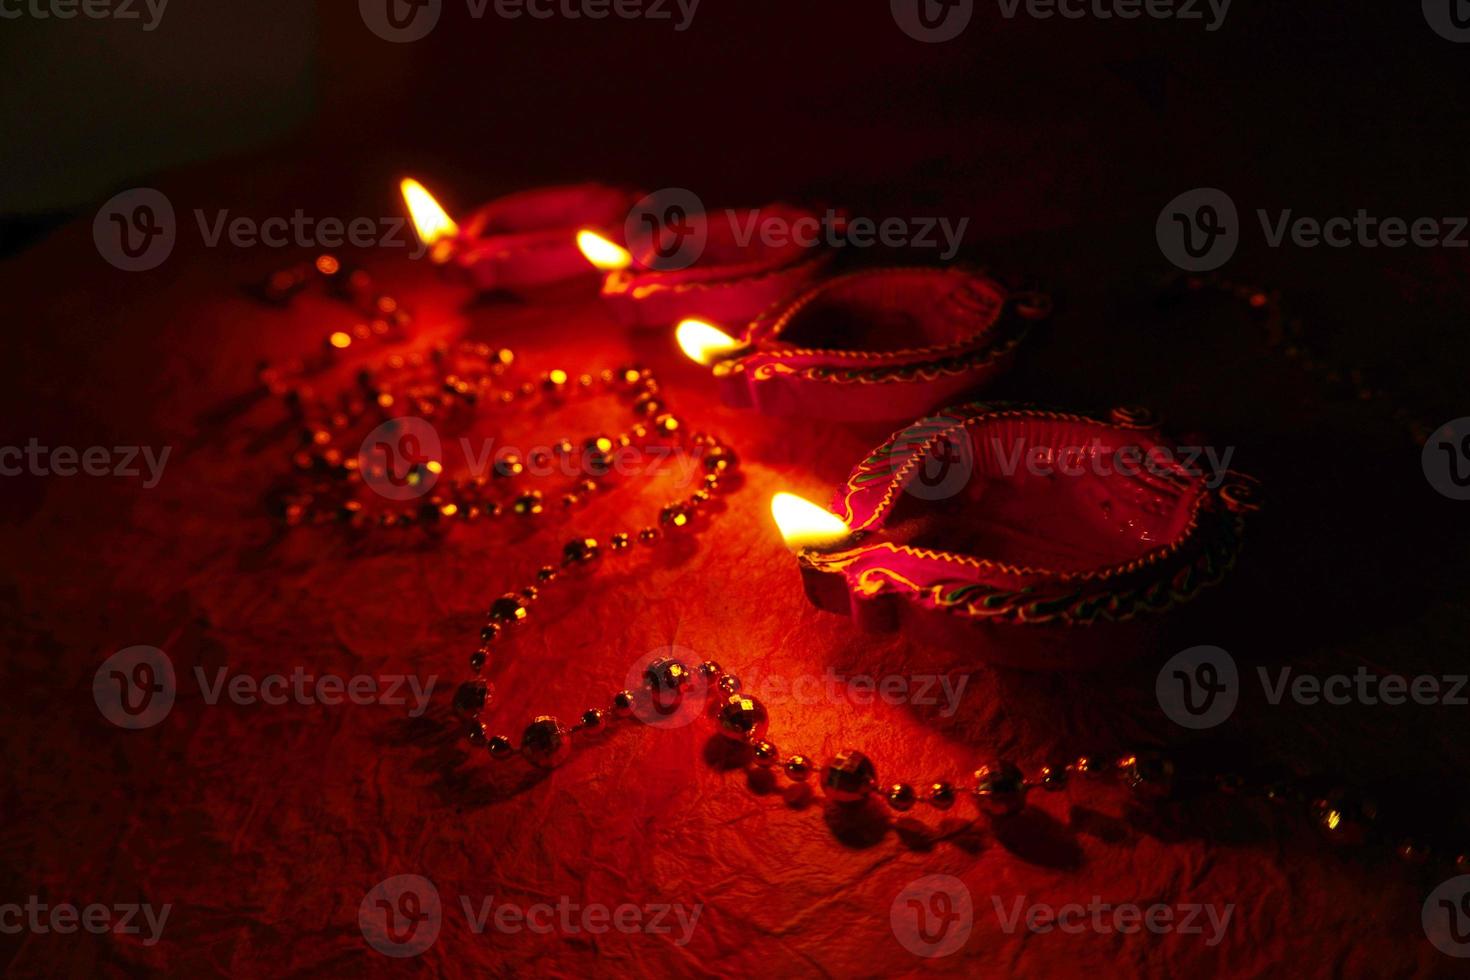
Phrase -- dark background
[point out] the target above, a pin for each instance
(1060, 140)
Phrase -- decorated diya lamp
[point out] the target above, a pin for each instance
(520, 241)
(1037, 539)
(882, 344)
(720, 267)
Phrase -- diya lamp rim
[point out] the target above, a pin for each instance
(1192, 537)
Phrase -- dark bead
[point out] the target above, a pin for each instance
(528, 504)
(720, 459)
(675, 516)
(766, 754)
(1088, 767)
(1148, 774)
(581, 551)
(544, 743)
(941, 795)
(666, 676)
(729, 684)
(648, 535)
(798, 768)
(471, 698)
(499, 747)
(901, 797)
(475, 732)
(592, 720)
(1054, 778)
(623, 702)
(849, 777)
(477, 660)
(1344, 819)
(710, 670)
(1000, 789)
(620, 541)
(545, 574)
(489, 632)
(509, 609)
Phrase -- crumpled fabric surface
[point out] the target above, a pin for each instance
(265, 827)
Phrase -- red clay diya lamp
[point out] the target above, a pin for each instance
(882, 344)
(736, 273)
(519, 241)
(1032, 538)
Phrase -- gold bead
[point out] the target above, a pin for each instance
(741, 717)
(581, 551)
(528, 504)
(545, 573)
(728, 684)
(509, 609)
(849, 777)
(766, 754)
(648, 535)
(619, 541)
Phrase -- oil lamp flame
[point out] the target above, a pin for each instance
(704, 342)
(429, 219)
(805, 525)
(605, 255)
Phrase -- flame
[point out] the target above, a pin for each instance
(805, 525)
(704, 342)
(429, 219)
(605, 255)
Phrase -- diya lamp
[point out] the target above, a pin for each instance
(519, 241)
(882, 344)
(1041, 540)
(721, 267)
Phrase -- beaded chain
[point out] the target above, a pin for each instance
(451, 384)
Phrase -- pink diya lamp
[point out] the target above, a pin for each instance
(721, 266)
(876, 345)
(1030, 547)
(520, 241)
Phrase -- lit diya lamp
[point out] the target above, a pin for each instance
(728, 266)
(519, 241)
(1038, 539)
(881, 344)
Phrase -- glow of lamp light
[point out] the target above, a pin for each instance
(704, 342)
(605, 255)
(805, 525)
(432, 223)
